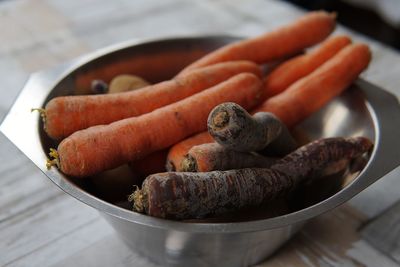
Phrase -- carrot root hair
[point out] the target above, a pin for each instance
(138, 197)
(42, 113)
(54, 159)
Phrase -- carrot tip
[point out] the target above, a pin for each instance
(188, 164)
(138, 199)
(221, 119)
(55, 161)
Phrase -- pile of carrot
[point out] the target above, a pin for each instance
(164, 126)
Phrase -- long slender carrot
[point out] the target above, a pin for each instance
(312, 92)
(294, 37)
(67, 114)
(214, 157)
(294, 69)
(102, 147)
(184, 195)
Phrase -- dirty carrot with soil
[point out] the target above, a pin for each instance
(214, 157)
(293, 69)
(233, 127)
(312, 92)
(185, 195)
(102, 147)
(306, 31)
(67, 114)
(178, 151)
(315, 157)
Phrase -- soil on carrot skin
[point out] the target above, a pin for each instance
(275, 208)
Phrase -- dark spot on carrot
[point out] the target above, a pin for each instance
(178, 116)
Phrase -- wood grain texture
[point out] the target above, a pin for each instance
(383, 233)
(22, 186)
(114, 253)
(73, 246)
(326, 241)
(41, 226)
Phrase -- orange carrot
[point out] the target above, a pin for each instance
(177, 152)
(103, 147)
(67, 114)
(294, 69)
(323, 84)
(304, 32)
(312, 92)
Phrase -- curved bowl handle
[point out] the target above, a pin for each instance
(385, 157)
(384, 108)
(20, 125)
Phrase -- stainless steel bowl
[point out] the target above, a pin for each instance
(364, 110)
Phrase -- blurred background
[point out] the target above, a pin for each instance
(378, 19)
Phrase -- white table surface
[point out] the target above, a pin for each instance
(42, 226)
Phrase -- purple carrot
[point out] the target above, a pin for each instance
(214, 157)
(184, 195)
(233, 127)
